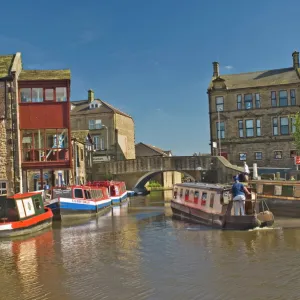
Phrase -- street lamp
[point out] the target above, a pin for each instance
(106, 140)
(219, 129)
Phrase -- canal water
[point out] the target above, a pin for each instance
(139, 252)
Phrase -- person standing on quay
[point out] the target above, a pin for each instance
(246, 172)
(239, 198)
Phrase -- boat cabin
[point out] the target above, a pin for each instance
(115, 188)
(21, 207)
(211, 198)
(80, 192)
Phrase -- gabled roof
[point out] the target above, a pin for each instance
(259, 78)
(6, 62)
(45, 75)
(156, 149)
(82, 107)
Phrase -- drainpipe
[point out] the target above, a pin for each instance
(210, 124)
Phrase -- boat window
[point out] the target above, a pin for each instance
(78, 193)
(87, 194)
(37, 203)
(175, 193)
(203, 198)
(181, 193)
(212, 200)
(196, 197)
(63, 193)
(12, 211)
(187, 193)
(100, 194)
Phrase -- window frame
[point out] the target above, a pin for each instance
(221, 131)
(255, 155)
(273, 99)
(239, 102)
(3, 187)
(44, 100)
(250, 128)
(275, 126)
(285, 98)
(243, 153)
(241, 128)
(248, 101)
(275, 151)
(219, 104)
(257, 100)
(293, 97)
(258, 127)
(284, 126)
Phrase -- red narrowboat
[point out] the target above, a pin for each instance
(23, 214)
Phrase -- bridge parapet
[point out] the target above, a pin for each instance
(154, 163)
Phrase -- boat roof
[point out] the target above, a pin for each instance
(76, 187)
(202, 185)
(23, 195)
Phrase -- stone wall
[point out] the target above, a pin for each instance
(267, 143)
(125, 128)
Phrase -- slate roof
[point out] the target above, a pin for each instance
(5, 64)
(156, 149)
(82, 107)
(45, 75)
(260, 78)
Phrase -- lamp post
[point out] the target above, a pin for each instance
(219, 131)
(106, 140)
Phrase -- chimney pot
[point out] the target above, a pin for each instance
(295, 59)
(216, 72)
(91, 96)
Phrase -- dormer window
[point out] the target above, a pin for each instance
(94, 104)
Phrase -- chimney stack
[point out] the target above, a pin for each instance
(91, 97)
(216, 69)
(295, 59)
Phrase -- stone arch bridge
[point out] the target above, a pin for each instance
(137, 172)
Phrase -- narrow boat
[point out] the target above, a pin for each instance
(116, 190)
(78, 201)
(23, 214)
(212, 205)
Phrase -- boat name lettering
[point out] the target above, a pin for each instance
(80, 201)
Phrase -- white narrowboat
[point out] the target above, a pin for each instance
(212, 205)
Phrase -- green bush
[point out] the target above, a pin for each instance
(153, 183)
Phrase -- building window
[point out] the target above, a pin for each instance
(258, 155)
(293, 97)
(220, 103)
(277, 154)
(283, 98)
(95, 124)
(241, 128)
(249, 128)
(257, 100)
(243, 156)
(284, 126)
(3, 187)
(275, 126)
(61, 94)
(239, 102)
(49, 94)
(98, 143)
(248, 101)
(293, 153)
(293, 125)
(273, 99)
(221, 130)
(37, 95)
(40, 94)
(258, 128)
(45, 145)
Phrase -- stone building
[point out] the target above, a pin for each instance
(112, 130)
(34, 125)
(251, 115)
(166, 179)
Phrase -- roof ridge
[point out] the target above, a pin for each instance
(159, 150)
(232, 74)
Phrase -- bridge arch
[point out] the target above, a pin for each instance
(140, 183)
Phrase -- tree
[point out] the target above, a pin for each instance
(296, 132)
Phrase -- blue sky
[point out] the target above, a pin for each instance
(152, 59)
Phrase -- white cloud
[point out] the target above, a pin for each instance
(228, 67)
